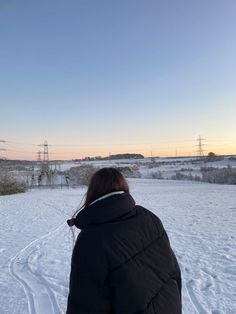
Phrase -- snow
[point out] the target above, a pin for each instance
(36, 244)
(166, 166)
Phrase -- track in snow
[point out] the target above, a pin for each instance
(40, 297)
(199, 218)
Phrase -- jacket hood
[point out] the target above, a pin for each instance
(105, 210)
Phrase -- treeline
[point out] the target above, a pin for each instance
(126, 156)
(112, 157)
(219, 175)
(226, 175)
(80, 175)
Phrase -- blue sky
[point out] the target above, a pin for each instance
(113, 76)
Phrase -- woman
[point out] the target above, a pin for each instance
(122, 261)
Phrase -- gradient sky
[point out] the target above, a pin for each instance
(109, 76)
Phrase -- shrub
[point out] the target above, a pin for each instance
(157, 175)
(186, 169)
(130, 172)
(182, 176)
(153, 164)
(178, 176)
(81, 175)
(10, 185)
(219, 175)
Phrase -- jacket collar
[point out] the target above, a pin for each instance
(107, 195)
(105, 210)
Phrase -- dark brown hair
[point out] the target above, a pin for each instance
(103, 181)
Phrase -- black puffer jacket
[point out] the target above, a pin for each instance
(122, 262)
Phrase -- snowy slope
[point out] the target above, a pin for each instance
(166, 166)
(36, 244)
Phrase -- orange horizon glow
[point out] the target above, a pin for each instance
(79, 154)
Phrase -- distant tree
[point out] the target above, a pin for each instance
(129, 171)
(126, 156)
(219, 175)
(179, 176)
(157, 175)
(213, 157)
(211, 154)
(81, 175)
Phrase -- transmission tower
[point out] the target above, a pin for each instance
(45, 164)
(2, 149)
(39, 155)
(200, 151)
(45, 151)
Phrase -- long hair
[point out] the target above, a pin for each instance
(103, 181)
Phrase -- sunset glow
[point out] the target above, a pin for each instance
(95, 78)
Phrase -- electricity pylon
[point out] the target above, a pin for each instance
(45, 151)
(39, 155)
(200, 145)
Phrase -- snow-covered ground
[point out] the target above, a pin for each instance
(36, 244)
(188, 168)
(167, 167)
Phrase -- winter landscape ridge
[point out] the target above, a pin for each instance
(200, 219)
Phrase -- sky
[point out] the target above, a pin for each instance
(99, 77)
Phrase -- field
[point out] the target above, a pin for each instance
(36, 244)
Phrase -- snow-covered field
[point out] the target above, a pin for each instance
(36, 244)
(166, 167)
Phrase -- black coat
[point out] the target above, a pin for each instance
(122, 262)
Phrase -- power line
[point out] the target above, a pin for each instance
(101, 144)
(113, 143)
(20, 143)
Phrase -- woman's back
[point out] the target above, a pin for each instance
(122, 261)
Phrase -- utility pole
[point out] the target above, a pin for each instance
(152, 158)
